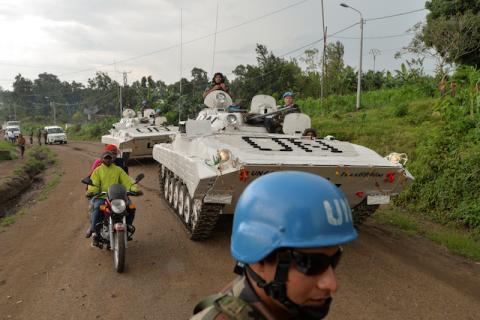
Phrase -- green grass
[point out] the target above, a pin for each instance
(7, 151)
(38, 159)
(456, 239)
(399, 220)
(457, 242)
(11, 219)
(91, 131)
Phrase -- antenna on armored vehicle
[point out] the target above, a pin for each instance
(181, 64)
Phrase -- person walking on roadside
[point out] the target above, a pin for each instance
(21, 144)
(287, 237)
(31, 136)
(45, 135)
(39, 137)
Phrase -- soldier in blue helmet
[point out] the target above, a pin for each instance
(288, 102)
(274, 123)
(287, 234)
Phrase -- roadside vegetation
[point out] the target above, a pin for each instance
(91, 131)
(8, 151)
(451, 237)
(37, 160)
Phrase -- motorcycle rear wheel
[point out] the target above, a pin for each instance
(119, 250)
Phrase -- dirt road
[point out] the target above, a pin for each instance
(49, 271)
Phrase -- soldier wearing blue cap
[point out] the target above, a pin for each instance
(289, 103)
(287, 234)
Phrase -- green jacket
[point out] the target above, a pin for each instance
(103, 177)
(237, 302)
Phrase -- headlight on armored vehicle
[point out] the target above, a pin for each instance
(232, 119)
(224, 155)
(118, 205)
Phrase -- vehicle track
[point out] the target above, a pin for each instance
(49, 271)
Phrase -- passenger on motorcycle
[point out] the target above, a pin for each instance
(116, 160)
(102, 178)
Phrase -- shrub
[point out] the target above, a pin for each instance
(400, 110)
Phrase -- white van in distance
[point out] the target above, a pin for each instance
(55, 134)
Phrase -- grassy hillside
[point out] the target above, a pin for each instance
(440, 135)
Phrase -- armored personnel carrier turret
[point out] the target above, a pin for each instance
(135, 135)
(211, 161)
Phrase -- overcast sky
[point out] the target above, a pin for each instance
(73, 38)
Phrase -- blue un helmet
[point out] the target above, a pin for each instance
(288, 94)
(289, 210)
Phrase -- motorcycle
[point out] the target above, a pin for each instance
(114, 233)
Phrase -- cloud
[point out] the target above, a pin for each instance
(92, 34)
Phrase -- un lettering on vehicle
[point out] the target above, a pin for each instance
(259, 173)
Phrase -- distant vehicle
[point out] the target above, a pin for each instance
(11, 124)
(55, 134)
(11, 132)
(136, 134)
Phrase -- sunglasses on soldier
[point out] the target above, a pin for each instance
(313, 264)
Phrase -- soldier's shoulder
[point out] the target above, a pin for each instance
(228, 307)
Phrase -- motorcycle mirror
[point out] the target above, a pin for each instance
(139, 177)
(87, 181)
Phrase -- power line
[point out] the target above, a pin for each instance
(395, 15)
(342, 30)
(143, 55)
(378, 37)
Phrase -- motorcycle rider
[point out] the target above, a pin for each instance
(287, 234)
(102, 178)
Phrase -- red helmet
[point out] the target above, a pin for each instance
(111, 148)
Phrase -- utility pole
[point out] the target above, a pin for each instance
(322, 79)
(52, 105)
(125, 84)
(375, 52)
(359, 83)
(181, 65)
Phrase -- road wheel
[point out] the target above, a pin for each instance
(181, 199)
(161, 179)
(187, 208)
(362, 212)
(203, 219)
(119, 250)
(171, 187)
(176, 190)
(166, 185)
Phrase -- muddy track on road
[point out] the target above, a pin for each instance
(49, 271)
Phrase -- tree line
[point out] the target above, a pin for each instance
(450, 34)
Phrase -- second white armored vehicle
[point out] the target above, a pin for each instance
(135, 135)
(208, 165)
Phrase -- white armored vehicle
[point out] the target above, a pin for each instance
(135, 135)
(208, 165)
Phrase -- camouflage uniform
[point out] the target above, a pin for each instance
(237, 302)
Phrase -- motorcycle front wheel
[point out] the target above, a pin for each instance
(119, 250)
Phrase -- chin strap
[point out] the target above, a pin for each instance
(277, 289)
